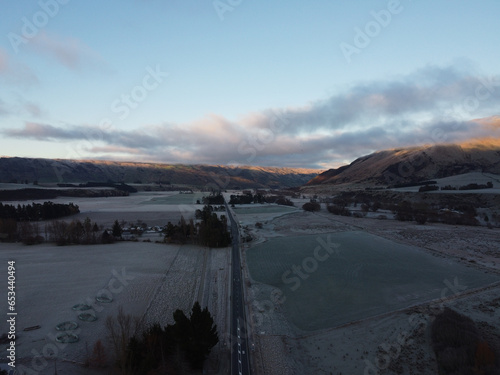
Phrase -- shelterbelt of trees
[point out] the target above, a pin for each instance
(212, 231)
(249, 198)
(37, 211)
(32, 193)
(180, 346)
(21, 222)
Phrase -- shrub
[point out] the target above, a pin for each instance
(311, 206)
(425, 188)
(421, 218)
(338, 210)
(376, 206)
(284, 201)
(404, 211)
(448, 187)
(365, 207)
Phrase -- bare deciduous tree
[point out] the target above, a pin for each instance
(120, 330)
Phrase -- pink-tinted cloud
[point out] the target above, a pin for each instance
(492, 122)
(107, 150)
(367, 118)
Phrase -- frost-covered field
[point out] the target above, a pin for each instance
(50, 280)
(148, 280)
(153, 208)
(380, 267)
(332, 279)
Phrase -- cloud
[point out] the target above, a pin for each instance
(13, 72)
(432, 90)
(32, 109)
(492, 122)
(432, 105)
(39, 132)
(70, 52)
(114, 150)
(19, 107)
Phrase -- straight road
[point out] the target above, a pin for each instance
(240, 362)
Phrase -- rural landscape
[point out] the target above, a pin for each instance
(233, 187)
(349, 276)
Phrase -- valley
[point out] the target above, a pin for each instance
(323, 292)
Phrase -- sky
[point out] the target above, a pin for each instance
(237, 82)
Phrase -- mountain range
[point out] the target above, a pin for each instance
(14, 169)
(415, 164)
(382, 168)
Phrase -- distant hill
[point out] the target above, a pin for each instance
(73, 171)
(414, 164)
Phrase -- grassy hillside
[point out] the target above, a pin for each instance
(409, 165)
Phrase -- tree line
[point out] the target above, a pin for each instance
(32, 193)
(473, 186)
(171, 349)
(213, 198)
(21, 223)
(116, 185)
(459, 209)
(77, 233)
(37, 211)
(250, 198)
(211, 231)
(62, 233)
